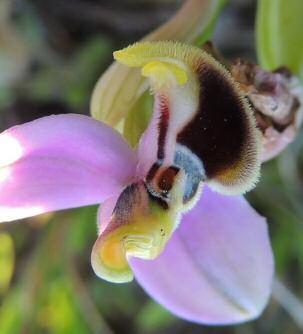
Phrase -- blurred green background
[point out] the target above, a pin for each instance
(51, 54)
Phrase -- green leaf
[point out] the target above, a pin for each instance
(279, 34)
(208, 30)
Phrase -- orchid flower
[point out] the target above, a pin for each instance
(172, 214)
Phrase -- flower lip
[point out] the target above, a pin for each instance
(207, 114)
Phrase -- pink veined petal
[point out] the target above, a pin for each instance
(218, 266)
(60, 162)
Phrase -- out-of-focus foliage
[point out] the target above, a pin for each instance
(70, 81)
(154, 318)
(6, 261)
(53, 288)
(279, 34)
(14, 54)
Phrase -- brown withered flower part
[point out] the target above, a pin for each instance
(277, 100)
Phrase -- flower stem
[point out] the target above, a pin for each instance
(290, 303)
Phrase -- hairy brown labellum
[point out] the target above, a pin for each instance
(201, 118)
(221, 131)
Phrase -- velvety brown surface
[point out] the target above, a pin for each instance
(217, 132)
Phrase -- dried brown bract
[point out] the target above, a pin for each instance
(277, 100)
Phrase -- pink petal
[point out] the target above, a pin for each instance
(105, 212)
(217, 268)
(60, 162)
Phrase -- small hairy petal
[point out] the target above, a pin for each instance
(218, 266)
(60, 162)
